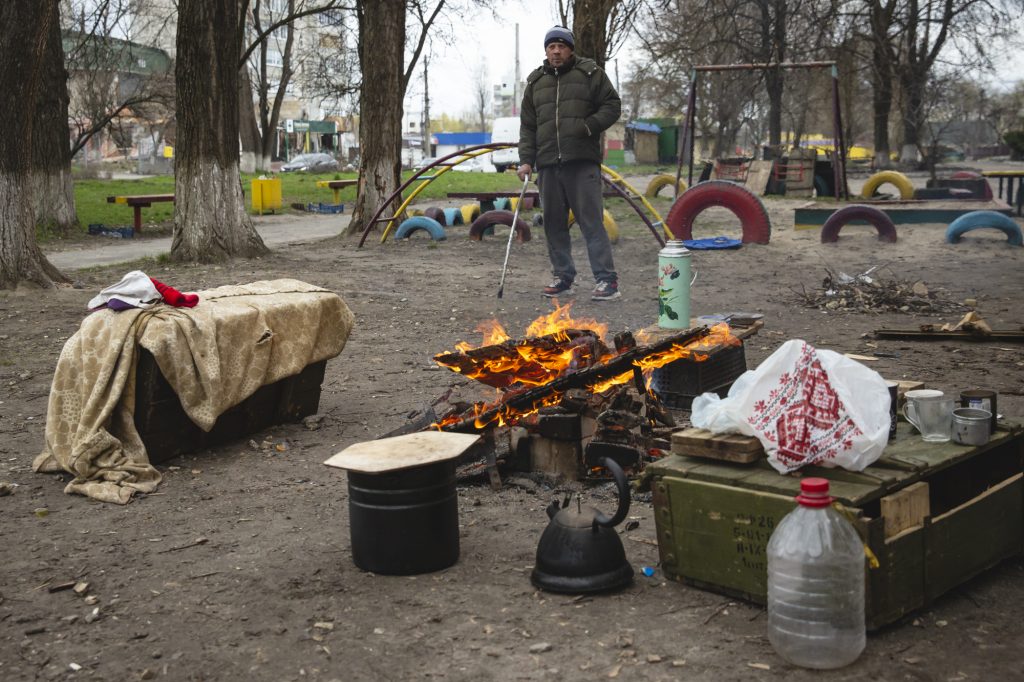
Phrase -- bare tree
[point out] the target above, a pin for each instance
(481, 93)
(210, 221)
(27, 31)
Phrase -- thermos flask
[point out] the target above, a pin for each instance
(674, 282)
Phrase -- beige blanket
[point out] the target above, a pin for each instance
(214, 356)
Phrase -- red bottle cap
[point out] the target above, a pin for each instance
(814, 493)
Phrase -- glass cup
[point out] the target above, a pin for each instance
(931, 412)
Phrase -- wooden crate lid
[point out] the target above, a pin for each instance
(402, 452)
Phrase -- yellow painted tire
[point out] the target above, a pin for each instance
(901, 181)
(412, 212)
(470, 212)
(663, 180)
(609, 225)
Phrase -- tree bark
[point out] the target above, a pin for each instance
(53, 192)
(881, 16)
(590, 28)
(26, 29)
(381, 48)
(248, 128)
(210, 220)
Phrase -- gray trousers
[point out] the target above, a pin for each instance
(577, 186)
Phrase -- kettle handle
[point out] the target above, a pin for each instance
(623, 486)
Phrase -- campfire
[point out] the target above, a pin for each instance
(565, 396)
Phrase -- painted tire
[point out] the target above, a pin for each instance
(470, 212)
(452, 216)
(415, 211)
(611, 228)
(975, 219)
(527, 203)
(437, 214)
(501, 204)
(658, 182)
(609, 225)
(744, 204)
(480, 225)
(429, 225)
(882, 222)
(901, 181)
(971, 175)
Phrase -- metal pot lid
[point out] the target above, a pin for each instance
(403, 452)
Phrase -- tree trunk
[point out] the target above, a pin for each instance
(912, 83)
(249, 130)
(381, 48)
(53, 192)
(27, 28)
(210, 221)
(590, 28)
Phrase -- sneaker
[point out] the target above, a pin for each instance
(559, 286)
(605, 291)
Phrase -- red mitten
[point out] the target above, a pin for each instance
(174, 297)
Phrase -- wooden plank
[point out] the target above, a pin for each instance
(905, 508)
(959, 335)
(975, 535)
(812, 215)
(728, 447)
(758, 175)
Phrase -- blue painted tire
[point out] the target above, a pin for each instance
(453, 216)
(821, 186)
(975, 219)
(501, 204)
(488, 220)
(428, 225)
(882, 222)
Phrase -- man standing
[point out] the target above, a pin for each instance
(568, 103)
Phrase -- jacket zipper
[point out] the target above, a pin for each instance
(558, 135)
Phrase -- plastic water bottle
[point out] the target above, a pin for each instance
(816, 583)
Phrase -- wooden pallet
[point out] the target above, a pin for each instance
(725, 447)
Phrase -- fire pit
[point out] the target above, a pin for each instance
(567, 398)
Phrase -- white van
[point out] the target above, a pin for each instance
(505, 130)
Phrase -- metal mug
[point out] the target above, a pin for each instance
(931, 412)
(971, 425)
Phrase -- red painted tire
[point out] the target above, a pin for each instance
(437, 214)
(882, 223)
(971, 175)
(476, 230)
(757, 227)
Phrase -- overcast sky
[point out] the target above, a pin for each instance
(482, 38)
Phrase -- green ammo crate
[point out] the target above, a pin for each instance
(714, 518)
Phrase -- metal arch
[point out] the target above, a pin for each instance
(615, 181)
(445, 163)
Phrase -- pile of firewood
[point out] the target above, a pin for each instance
(870, 292)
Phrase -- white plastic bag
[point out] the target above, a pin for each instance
(806, 406)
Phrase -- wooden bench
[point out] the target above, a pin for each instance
(1010, 176)
(139, 202)
(336, 186)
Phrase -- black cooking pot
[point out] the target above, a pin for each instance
(580, 550)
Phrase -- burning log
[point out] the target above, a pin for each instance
(515, 404)
(532, 362)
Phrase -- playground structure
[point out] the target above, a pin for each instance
(688, 138)
(420, 179)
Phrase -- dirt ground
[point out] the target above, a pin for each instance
(239, 567)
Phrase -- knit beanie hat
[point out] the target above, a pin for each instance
(559, 34)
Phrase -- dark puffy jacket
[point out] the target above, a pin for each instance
(564, 112)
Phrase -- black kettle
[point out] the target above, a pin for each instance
(580, 550)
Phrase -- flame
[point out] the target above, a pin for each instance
(697, 350)
(536, 365)
(559, 320)
(492, 332)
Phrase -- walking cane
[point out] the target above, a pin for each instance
(511, 235)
